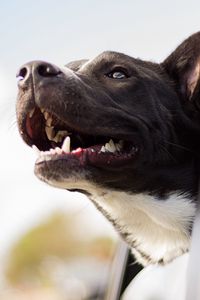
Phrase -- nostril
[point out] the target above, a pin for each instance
(48, 71)
(22, 73)
(36, 71)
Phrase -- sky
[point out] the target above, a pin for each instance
(58, 32)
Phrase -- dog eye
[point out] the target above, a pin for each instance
(117, 75)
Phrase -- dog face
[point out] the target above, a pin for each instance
(116, 128)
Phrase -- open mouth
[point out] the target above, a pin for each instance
(54, 139)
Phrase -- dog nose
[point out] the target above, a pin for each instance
(38, 70)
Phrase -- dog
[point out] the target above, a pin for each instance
(125, 132)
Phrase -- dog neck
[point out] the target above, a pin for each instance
(158, 230)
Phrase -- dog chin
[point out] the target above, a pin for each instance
(53, 173)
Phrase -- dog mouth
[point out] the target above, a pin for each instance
(54, 139)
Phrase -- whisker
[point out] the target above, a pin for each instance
(179, 146)
(168, 153)
(7, 111)
(12, 125)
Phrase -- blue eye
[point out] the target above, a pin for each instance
(117, 75)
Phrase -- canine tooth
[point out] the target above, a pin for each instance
(35, 148)
(31, 112)
(42, 110)
(66, 145)
(50, 133)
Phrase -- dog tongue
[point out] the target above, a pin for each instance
(93, 156)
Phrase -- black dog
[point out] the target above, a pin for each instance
(126, 133)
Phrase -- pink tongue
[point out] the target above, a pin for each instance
(91, 149)
(93, 156)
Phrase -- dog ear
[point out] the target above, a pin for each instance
(183, 67)
(76, 65)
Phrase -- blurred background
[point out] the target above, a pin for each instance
(54, 244)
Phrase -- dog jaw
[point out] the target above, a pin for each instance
(158, 230)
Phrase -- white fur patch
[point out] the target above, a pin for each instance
(159, 228)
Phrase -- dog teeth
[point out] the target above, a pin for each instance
(49, 121)
(119, 145)
(35, 148)
(46, 115)
(46, 155)
(50, 132)
(66, 145)
(52, 135)
(55, 137)
(31, 112)
(112, 147)
(60, 135)
(58, 150)
(103, 149)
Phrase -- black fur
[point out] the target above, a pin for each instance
(155, 107)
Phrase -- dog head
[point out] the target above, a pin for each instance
(126, 133)
(129, 122)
